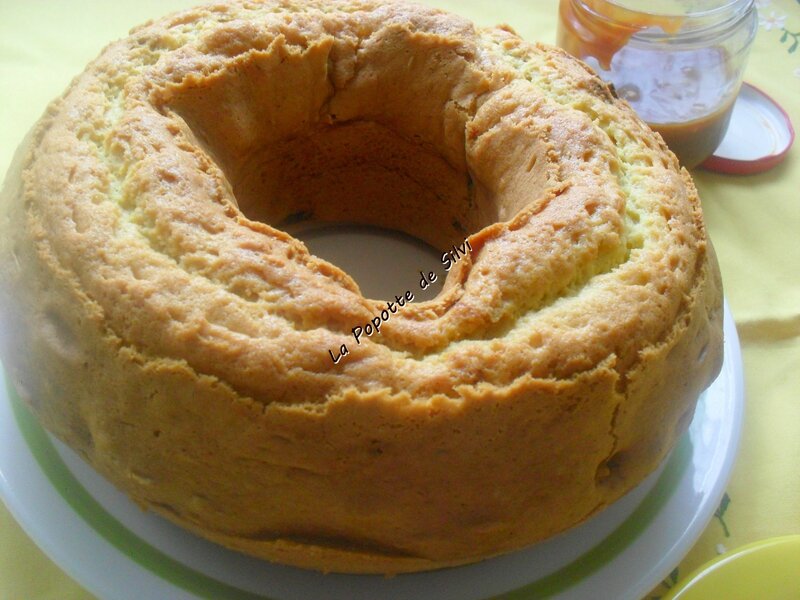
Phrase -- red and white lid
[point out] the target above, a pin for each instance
(758, 137)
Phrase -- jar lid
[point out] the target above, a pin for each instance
(758, 137)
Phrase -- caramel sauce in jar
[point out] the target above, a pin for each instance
(680, 70)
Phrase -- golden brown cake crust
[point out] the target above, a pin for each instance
(159, 321)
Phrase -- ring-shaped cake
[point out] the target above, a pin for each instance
(159, 319)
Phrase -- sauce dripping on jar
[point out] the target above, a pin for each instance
(680, 72)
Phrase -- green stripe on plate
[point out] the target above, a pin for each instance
(99, 519)
(622, 537)
(195, 582)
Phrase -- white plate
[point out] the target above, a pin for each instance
(116, 551)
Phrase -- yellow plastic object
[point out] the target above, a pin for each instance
(766, 569)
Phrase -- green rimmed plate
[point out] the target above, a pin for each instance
(116, 551)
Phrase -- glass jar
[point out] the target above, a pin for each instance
(679, 64)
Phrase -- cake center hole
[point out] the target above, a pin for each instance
(294, 148)
(384, 263)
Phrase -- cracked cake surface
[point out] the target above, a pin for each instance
(161, 321)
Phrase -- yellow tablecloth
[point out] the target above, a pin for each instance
(754, 222)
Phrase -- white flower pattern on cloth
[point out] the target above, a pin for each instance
(797, 72)
(773, 21)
